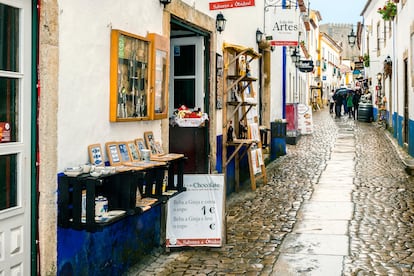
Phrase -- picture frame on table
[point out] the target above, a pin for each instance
(96, 155)
(159, 148)
(150, 142)
(113, 153)
(133, 151)
(140, 143)
(124, 152)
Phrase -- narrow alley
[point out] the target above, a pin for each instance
(339, 203)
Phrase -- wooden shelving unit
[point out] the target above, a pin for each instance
(239, 113)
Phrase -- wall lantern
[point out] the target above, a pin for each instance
(388, 61)
(295, 56)
(352, 38)
(379, 77)
(220, 22)
(259, 36)
(388, 67)
(165, 2)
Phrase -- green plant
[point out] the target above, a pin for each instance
(389, 11)
(366, 60)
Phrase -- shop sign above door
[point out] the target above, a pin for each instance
(231, 4)
(283, 26)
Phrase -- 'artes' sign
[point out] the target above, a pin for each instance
(231, 4)
(284, 26)
(305, 66)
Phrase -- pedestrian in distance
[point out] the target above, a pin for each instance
(331, 102)
(350, 104)
(338, 104)
(356, 98)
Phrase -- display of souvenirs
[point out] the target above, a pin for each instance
(186, 117)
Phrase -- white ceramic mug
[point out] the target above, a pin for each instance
(145, 155)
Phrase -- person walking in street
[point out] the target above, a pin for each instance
(331, 101)
(338, 98)
(350, 104)
(355, 101)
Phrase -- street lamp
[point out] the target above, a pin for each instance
(295, 56)
(220, 22)
(379, 77)
(352, 38)
(259, 36)
(165, 2)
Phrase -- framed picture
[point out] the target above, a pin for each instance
(150, 142)
(140, 144)
(160, 52)
(254, 132)
(124, 152)
(113, 153)
(133, 151)
(159, 147)
(129, 77)
(95, 155)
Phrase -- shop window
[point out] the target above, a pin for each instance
(14, 108)
(8, 181)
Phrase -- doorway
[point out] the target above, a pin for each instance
(188, 85)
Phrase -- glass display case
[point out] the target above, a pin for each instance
(159, 75)
(129, 81)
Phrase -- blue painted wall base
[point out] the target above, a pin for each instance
(277, 147)
(112, 251)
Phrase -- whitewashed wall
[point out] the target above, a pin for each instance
(404, 30)
(84, 41)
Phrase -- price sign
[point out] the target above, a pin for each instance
(195, 217)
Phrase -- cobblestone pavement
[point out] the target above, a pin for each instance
(381, 232)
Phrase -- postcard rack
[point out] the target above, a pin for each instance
(240, 119)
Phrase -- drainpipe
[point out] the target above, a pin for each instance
(284, 74)
(35, 88)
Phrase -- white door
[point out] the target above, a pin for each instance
(186, 73)
(15, 133)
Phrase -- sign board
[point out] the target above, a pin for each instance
(359, 65)
(305, 66)
(195, 217)
(305, 123)
(284, 26)
(230, 4)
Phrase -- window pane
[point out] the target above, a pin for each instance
(8, 181)
(9, 109)
(9, 37)
(184, 60)
(184, 93)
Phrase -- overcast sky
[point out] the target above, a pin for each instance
(339, 11)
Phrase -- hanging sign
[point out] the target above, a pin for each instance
(231, 4)
(284, 27)
(195, 217)
(305, 66)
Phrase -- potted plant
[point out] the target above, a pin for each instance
(389, 11)
(366, 60)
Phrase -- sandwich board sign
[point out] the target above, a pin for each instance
(195, 216)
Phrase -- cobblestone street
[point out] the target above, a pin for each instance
(380, 230)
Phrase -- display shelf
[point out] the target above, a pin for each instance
(239, 115)
(76, 195)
